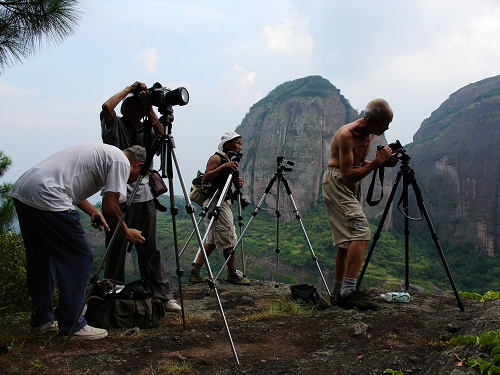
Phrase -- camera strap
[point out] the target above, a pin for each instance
(372, 185)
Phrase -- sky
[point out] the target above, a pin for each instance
(230, 54)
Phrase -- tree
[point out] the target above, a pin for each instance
(7, 213)
(24, 24)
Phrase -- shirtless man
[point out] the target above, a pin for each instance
(341, 184)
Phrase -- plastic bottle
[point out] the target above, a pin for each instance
(396, 297)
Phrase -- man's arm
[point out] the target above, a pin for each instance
(351, 175)
(108, 108)
(96, 218)
(214, 168)
(112, 212)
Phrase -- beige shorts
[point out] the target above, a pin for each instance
(344, 210)
(222, 233)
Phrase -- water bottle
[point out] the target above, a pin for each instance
(396, 296)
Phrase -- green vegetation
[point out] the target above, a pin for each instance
(393, 372)
(314, 86)
(25, 24)
(490, 295)
(386, 267)
(280, 306)
(490, 341)
(7, 212)
(13, 289)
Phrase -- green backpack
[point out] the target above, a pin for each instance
(196, 195)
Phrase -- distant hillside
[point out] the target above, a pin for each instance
(455, 158)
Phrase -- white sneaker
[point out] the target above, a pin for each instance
(90, 333)
(47, 327)
(172, 306)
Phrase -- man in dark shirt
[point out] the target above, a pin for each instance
(124, 132)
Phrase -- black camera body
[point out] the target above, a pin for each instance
(282, 164)
(395, 146)
(164, 97)
(234, 156)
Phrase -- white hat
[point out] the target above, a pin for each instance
(227, 136)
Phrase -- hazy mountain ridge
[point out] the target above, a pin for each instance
(454, 155)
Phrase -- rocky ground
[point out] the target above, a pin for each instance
(409, 337)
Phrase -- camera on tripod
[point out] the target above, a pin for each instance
(164, 97)
(282, 164)
(395, 146)
(234, 156)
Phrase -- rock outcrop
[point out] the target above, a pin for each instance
(455, 159)
(295, 121)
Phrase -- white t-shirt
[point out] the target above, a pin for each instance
(72, 175)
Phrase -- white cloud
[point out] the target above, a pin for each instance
(9, 91)
(237, 86)
(289, 38)
(149, 58)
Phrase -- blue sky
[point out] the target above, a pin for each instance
(230, 54)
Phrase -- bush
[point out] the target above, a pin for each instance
(13, 289)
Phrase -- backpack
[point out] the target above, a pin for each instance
(200, 191)
(131, 306)
(197, 195)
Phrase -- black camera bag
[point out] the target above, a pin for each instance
(133, 306)
(305, 293)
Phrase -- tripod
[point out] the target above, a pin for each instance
(409, 179)
(166, 143)
(220, 198)
(280, 177)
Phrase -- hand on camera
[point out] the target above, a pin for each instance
(137, 87)
(388, 157)
(232, 165)
(385, 154)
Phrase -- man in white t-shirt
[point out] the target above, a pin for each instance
(57, 252)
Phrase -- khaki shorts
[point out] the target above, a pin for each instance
(343, 207)
(222, 233)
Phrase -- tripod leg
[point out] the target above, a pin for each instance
(190, 210)
(278, 216)
(254, 213)
(434, 236)
(379, 228)
(298, 217)
(240, 224)
(174, 211)
(202, 215)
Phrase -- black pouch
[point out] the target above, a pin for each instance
(305, 293)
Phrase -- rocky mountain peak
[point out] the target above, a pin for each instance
(296, 122)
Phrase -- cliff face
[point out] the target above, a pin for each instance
(455, 159)
(296, 121)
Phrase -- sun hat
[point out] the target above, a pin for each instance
(227, 136)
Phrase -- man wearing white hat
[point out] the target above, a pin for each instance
(222, 233)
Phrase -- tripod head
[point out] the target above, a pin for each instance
(282, 164)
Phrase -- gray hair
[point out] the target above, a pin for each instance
(137, 153)
(375, 108)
